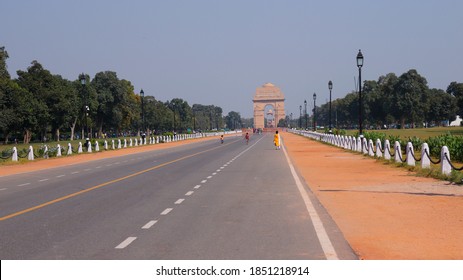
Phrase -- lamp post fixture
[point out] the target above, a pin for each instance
(330, 87)
(359, 65)
(142, 95)
(83, 81)
(300, 116)
(305, 114)
(314, 112)
(291, 120)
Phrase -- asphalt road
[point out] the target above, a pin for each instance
(201, 200)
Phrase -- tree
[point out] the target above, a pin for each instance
(3, 66)
(456, 90)
(233, 120)
(407, 98)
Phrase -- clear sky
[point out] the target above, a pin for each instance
(218, 52)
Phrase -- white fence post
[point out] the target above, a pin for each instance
(14, 157)
(97, 146)
(410, 154)
(425, 161)
(379, 152)
(69, 152)
(79, 149)
(58, 152)
(397, 152)
(30, 156)
(446, 169)
(387, 149)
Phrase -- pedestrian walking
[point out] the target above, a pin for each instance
(276, 140)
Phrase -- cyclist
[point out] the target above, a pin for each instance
(221, 139)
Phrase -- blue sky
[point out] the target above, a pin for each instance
(218, 52)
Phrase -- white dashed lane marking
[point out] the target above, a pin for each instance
(75, 172)
(43, 180)
(126, 242)
(189, 193)
(59, 176)
(203, 181)
(179, 201)
(209, 177)
(25, 184)
(3, 189)
(167, 211)
(149, 224)
(197, 186)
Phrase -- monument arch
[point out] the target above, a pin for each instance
(268, 94)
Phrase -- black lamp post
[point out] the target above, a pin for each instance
(291, 120)
(314, 112)
(142, 95)
(305, 114)
(300, 116)
(330, 87)
(359, 65)
(83, 81)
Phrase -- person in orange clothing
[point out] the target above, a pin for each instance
(276, 140)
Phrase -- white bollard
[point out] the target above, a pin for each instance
(69, 152)
(97, 146)
(119, 144)
(425, 161)
(112, 145)
(410, 154)
(130, 142)
(14, 157)
(371, 149)
(397, 152)
(379, 152)
(89, 148)
(105, 145)
(45, 150)
(79, 149)
(364, 146)
(445, 168)
(125, 143)
(30, 155)
(58, 152)
(387, 149)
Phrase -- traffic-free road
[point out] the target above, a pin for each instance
(201, 200)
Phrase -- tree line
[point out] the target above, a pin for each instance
(391, 101)
(39, 105)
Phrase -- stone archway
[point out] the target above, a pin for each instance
(268, 94)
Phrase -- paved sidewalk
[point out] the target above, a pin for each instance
(384, 212)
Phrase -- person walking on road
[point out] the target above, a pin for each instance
(276, 140)
(247, 138)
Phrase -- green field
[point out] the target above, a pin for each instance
(422, 133)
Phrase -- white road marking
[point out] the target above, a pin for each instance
(222, 167)
(218, 170)
(22, 185)
(43, 180)
(209, 177)
(87, 169)
(75, 172)
(126, 242)
(149, 224)
(203, 181)
(165, 212)
(323, 238)
(215, 173)
(3, 189)
(197, 186)
(109, 164)
(179, 201)
(59, 176)
(98, 166)
(189, 193)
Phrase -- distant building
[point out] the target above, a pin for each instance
(456, 122)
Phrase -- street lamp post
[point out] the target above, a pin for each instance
(305, 114)
(142, 95)
(291, 120)
(314, 112)
(83, 81)
(359, 65)
(330, 87)
(300, 116)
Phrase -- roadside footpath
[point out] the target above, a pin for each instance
(384, 212)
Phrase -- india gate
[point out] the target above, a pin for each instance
(268, 95)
